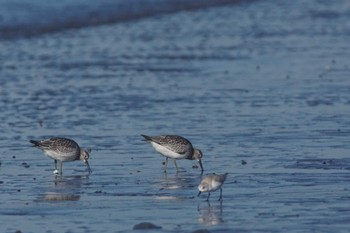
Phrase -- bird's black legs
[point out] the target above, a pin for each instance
(60, 167)
(220, 198)
(177, 169)
(165, 164)
(208, 196)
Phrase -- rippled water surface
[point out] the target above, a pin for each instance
(261, 87)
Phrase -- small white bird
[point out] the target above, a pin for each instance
(212, 183)
(174, 147)
(63, 150)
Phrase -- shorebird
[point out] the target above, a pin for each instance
(63, 150)
(212, 183)
(175, 147)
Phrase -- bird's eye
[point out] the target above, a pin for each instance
(200, 155)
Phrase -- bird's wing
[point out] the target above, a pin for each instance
(172, 142)
(220, 178)
(58, 144)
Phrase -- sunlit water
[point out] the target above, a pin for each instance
(261, 83)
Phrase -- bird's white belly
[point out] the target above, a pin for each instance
(60, 156)
(166, 152)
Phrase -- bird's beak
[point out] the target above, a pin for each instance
(88, 166)
(199, 193)
(200, 164)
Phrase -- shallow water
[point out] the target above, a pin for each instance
(262, 82)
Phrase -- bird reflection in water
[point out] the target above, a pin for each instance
(169, 183)
(55, 196)
(65, 188)
(210, 214)
(170, 186)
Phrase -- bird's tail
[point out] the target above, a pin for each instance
(147, 138)
(224, 176)
(35, 143)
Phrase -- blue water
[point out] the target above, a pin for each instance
(25, 18)
(263, 82)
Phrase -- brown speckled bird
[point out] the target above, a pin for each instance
(63, 150)
(174, 147)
